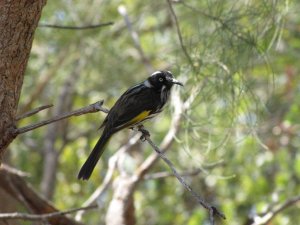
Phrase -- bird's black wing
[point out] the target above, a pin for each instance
(131, 104)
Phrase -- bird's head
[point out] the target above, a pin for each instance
(160, 79)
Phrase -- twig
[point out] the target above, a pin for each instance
(212, 210)
(222, 23)
(194, 172)
(267, 217)
(88, 109)
(179, 33)
(136, 41)
(34, 111)
(13, 170)
(32, 217)
(160, 175)
(76, 27)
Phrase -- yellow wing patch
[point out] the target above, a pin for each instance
(140, 117)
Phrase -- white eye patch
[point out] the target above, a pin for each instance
(155, 73)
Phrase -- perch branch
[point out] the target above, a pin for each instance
(88, 109)
(212, 210)
(179, 108)
(76, 27)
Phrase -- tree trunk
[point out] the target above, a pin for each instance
(121, 208)
(11, 205)
(18, 21)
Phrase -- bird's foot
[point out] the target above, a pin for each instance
(145, 133)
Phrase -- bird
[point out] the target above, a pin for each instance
(136, 105)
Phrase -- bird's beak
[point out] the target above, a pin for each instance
(174, 81)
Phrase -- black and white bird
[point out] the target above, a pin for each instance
(139, 103)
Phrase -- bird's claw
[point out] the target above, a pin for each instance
(145, 133)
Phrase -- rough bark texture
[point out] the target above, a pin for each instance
(18, 21)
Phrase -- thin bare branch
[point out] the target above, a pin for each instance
(96, 107)
(134, 35)
(223, 23)
(86, 27)
(15, 171)
(212, 210)
(267, 217)
(164, 174)
(33, 217)
(179, 33)
(194, 172)
(34, 111)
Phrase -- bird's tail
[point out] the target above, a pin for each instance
(89, 165)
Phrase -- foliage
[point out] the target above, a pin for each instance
(242, 130)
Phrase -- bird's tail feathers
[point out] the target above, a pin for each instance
(89, 165)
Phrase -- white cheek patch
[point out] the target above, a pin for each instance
(147, 84)
(162, 93)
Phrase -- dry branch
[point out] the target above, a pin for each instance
(96, 107)
(267, 217)
(212, 210)
(34, 111)
(86, 27)
(179, 33)
(33, 217)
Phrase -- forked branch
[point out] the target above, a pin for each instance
(96, 107)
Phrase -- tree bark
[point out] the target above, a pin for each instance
(11, 205)
(121, 208)
(18, 21)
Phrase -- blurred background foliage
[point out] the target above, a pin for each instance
(241, 131)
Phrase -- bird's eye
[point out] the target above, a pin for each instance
(161, 79)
